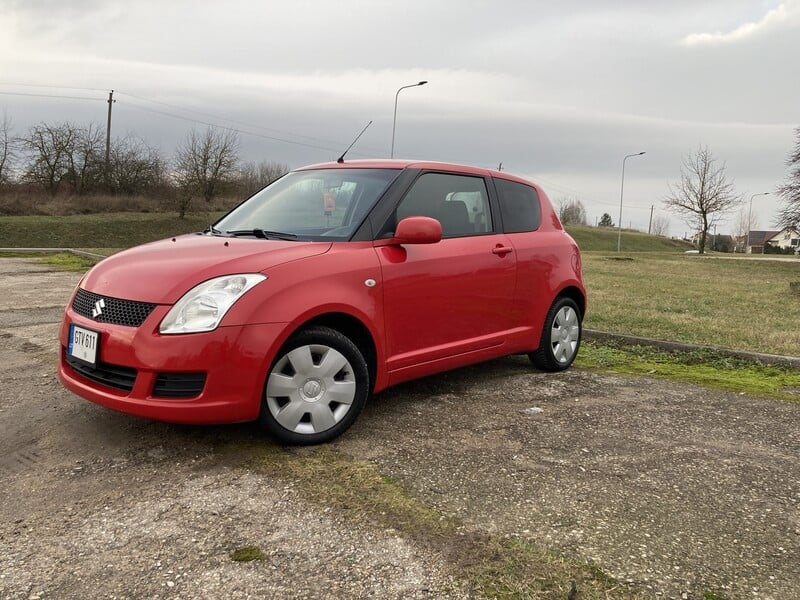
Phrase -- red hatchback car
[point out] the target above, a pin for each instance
(332, 283)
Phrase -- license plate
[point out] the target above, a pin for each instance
(83, 344)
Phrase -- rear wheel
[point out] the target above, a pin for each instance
(316, 387)
(561, 336)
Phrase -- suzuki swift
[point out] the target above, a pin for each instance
(331, 284)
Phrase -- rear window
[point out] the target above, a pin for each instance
(519, 206)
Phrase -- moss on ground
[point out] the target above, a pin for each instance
(247, 554)
(700, 367)
(492, 566)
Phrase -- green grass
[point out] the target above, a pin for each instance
(68, 262)
(701, 367)
(737, 304)
(111, 230)
(604, 239)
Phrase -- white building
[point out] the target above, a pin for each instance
(786, 238)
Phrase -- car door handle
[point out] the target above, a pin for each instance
(501, 250)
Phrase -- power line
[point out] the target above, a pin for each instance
(49, 96)
(215, 116)
(177, 116)
(55, 87)
(242, 131)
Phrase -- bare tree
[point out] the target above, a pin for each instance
(48, 148)
(703, 194)
(254, 176)
(135, 167)
(743, 223)
(571, 212)
(789, 214)
(7, 149)
(205, 163)
(85, 159)
(659, 225)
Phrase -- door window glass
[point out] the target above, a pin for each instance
(459, 202)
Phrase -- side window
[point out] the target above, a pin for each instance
(519, 206)
(459, 202)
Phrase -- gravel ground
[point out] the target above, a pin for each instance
(677, 490)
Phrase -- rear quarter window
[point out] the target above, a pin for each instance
(519, 206)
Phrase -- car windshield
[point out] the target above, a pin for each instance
(320, 204)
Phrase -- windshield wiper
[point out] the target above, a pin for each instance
(263, 234)
(212, 230)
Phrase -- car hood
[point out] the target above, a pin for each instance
(161, 272)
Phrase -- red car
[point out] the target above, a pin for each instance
(332, 283)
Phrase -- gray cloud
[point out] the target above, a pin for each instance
(560, 92)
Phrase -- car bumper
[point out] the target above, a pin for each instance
(227, 368)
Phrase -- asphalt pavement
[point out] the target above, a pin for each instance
(674, 490)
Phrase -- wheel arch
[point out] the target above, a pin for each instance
(576, 295)
(353, 328)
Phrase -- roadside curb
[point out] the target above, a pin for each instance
(52, 250)
(631, 340)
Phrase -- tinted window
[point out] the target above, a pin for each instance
(459, 202)
(519, 206)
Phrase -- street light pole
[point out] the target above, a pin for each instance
(394, 121)
(750, 219)
(621, 189)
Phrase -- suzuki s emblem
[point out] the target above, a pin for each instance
(98, 308)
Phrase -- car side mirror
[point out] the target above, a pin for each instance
(417, 230)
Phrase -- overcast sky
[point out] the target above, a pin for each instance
(557, 92)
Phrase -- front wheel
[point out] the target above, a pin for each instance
(561, 336)
(316, 387)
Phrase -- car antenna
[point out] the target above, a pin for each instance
(341, 158)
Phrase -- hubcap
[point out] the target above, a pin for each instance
(565, 335)
(311, 389)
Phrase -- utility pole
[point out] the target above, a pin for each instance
(108, 134)
(650, 224)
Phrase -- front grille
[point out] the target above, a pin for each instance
(179, 385)
(113, 310)
(113, 376)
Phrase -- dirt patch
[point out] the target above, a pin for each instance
(671, 489)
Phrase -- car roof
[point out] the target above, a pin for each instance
(394, 163)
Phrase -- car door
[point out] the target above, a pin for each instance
(534, 250)
(452, 298)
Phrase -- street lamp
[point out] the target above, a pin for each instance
(750, 219)
(621, 189)
(394, 121)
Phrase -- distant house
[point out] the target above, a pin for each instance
(786, 239)
(756, 240)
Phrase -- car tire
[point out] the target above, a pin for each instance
(561, 336)
(315, 388)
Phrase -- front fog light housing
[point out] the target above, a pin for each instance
(202, 307)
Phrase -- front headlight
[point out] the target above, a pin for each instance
(202, 307)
